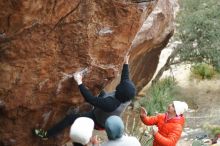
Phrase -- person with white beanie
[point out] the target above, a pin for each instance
(81, 131)
(167, 127)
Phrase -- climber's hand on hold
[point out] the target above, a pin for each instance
(126, 59)
(78, 78)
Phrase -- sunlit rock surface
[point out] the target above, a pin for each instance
(43, 42)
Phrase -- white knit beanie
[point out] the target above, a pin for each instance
(180, 107)
(81, 130)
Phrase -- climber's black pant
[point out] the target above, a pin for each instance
(68, 121)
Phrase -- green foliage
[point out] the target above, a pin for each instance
(199, 31)
(203, 71)
(199, 143)
(213, 129)
(149, 142)
(134, 127)
(159, 96)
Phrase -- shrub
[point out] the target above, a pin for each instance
(158, 96)
(203, 71)
(212, 129)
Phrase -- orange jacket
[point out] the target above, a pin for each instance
(169, 130)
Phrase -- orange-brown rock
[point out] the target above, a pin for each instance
(42, 42)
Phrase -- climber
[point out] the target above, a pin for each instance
(105, 105)
(115, 131)
(167, 127)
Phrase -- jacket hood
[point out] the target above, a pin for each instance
(125, 91)
(114, 127)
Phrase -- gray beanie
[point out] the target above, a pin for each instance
(114, 127)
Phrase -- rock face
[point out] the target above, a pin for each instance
(43, 42)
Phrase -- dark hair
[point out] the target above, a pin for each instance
(77, 144)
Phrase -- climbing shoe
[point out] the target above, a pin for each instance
(41, 133)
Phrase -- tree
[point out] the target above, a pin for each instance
(198, 30)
